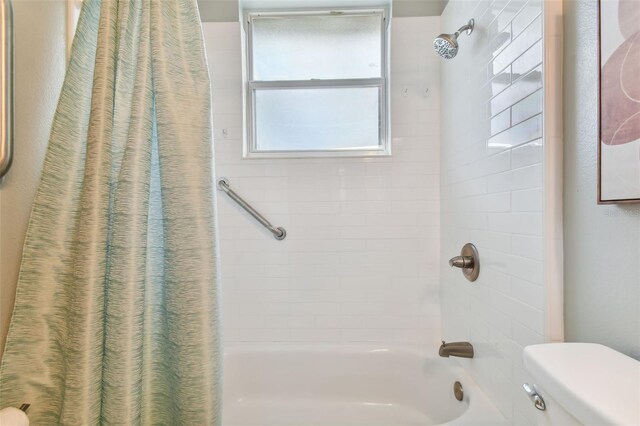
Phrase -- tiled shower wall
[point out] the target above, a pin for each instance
(360, 261)
(492, 191)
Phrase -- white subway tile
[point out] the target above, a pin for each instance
(522, 88)
(521, 178)
(315, 335)
(366, 335)
(520, 44)
(532, 10)
(527, 154)
(528, 200)
(527, 108)
(527, 61)
(518, 134)
(528, 293)
(500, 122)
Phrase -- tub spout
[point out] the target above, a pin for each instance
(459, 349)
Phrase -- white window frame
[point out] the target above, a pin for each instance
(250, 86)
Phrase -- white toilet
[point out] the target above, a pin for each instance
(582, 383)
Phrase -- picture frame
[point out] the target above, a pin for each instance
(618, 101)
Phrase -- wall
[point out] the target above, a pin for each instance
(602, 243)
(39, 65)
(360, 261)
(227, 10)
(218, 10)
(492, 192)
(406, 8)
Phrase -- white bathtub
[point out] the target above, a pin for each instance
(331, 386)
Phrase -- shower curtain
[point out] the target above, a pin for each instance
(116, 317)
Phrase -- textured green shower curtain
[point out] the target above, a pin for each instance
(116, 318)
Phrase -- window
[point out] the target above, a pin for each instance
(316, 84)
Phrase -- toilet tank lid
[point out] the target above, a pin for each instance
(594, 383)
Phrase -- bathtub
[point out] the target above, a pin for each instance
(354, 385)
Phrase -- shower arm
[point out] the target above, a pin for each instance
(468, 28)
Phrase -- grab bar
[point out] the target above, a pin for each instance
(279, 233)
(6, 87)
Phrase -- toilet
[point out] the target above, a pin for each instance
(582, 384)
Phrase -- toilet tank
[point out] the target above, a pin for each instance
(583, 384)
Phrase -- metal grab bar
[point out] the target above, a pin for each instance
(6, 86)
(279, 233)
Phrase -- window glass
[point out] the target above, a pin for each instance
(317, 47)
(317, 119)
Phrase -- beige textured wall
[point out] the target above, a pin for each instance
(40, 40)
(602, 243)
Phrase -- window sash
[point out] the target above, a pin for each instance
(250, 149)
(346, 12)
(329, 84)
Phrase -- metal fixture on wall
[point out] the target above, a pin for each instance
(468, 261)
(6, 86)
(457, 349)
(446, 45)
(279, 233)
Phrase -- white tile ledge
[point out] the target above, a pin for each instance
(594, 383)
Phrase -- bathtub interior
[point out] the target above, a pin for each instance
(372, 387)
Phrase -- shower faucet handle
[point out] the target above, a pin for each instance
(461, 262)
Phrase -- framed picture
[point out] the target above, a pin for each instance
(619, 115)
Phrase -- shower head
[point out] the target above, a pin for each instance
(446, 45)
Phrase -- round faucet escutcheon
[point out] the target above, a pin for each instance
(468, 261)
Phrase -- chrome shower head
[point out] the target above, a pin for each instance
(446, 45)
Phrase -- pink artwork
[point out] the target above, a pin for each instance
(619, 150)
